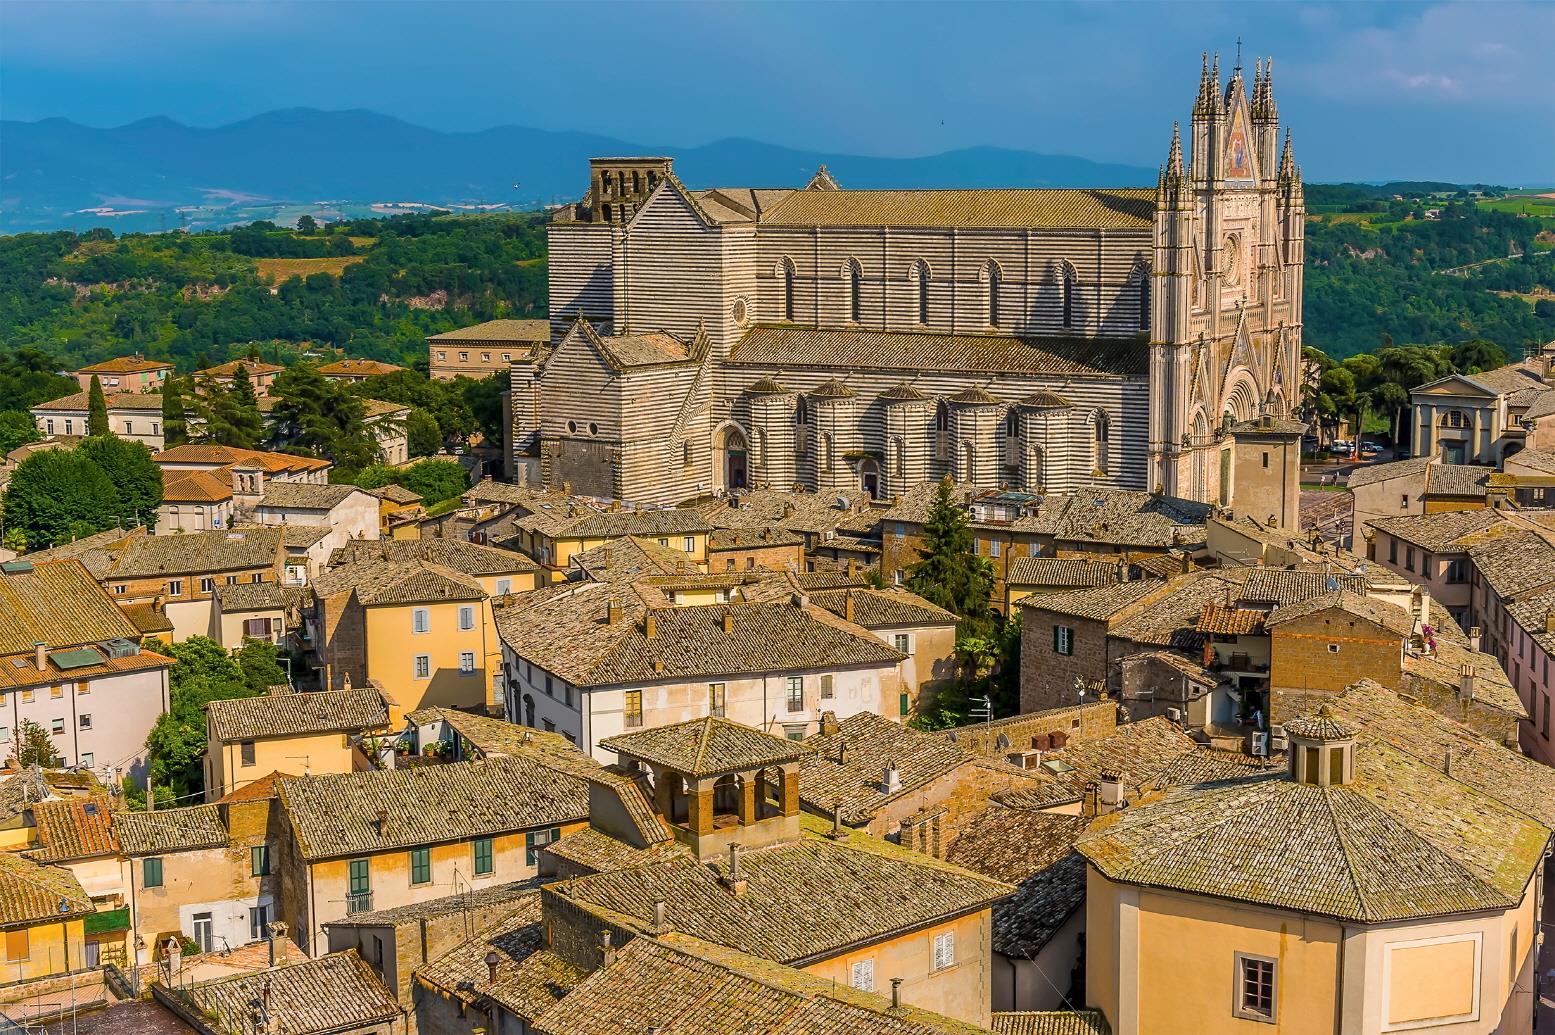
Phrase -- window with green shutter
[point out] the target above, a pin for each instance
(906, 704)
(484, 864)
(151, 873)
(359, 898)
(536, 840)
(421, 866)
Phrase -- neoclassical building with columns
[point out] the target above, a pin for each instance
(864, 341)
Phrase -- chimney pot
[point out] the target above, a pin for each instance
(40, 652)
(606, 952)
(848, 610)
(1466, 679)
(613, 612)
(734, 862)
(892, 780)
(1476, 635)
(896, 993)
(492, 959)
(383, 820)
(661, 923)
(1110, 791)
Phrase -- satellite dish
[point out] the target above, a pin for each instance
(842, 503)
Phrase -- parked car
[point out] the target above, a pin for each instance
(1342, 448)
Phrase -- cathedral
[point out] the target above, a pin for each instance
(860, 342)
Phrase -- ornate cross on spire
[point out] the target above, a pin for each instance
(1239, 51)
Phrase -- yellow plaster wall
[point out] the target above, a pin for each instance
(52, 948)
(392, 647)
(317, 753)
(961, 990)
(1431, 981)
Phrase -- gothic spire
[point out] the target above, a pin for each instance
(1268, 91)
(1287, 160)
(1206, 99)
(1217, 97)
(1174, 161)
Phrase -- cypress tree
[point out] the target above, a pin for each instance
(949, 572)
(175, 423)
(96, 409)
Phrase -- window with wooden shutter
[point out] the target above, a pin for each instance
(863, 976)
(944, 950)
(17, 946)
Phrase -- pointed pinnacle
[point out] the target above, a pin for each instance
(1174, 163)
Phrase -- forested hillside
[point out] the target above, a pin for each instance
(372, 288)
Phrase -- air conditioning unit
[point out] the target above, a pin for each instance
(1260, 745)
(1174, 714)
(122, 648)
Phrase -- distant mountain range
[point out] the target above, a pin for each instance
(158, 174)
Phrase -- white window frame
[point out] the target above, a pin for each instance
(902, 642)
(1063, 640)
(689, 544)
(504, 587)
(944, 950)
(862, 975)
(467, 662)
(422, 666)
(420, 621)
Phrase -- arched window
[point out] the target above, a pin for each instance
(789, 278)
(899, 447)
(1067, 276)
(921, 272)
(1144, 299)
(855, 292)
(993, 294)
(1034, 473)
(1456, 419)
(1102, 434)
(941, 430)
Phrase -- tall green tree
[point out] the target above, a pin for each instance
(234, 418)
(422, 435)
(58, 495)
(36, 747)
(175, 424)
(17, 429)
(315, 413)
(96, 409)
(136, 478)
(949, 572)
(203, 672)
(27, 375)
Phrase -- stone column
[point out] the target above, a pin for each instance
(1478, 447)
(699, 807)
(748, 801)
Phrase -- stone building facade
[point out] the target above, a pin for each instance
(862, 342)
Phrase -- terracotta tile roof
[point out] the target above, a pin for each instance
(1171, 619)
(140, 402)
(1434, 677)
(706, 747)
(679, 985)
(378, 583)
(195, 487)
(306, 495)
(1011, 208)
(902, 392)
(1098, 602)
(337, 992)
(297, 714)
(260, 596)
(125, 365)
(616, 523)
(529, 977)
(847, 767)
(498, 332)
(485, 907)
(60, 604)
(598, 852)
(89, 550)
(1391, 845)
(73, 828)
(257, 790)
(1439, 531)
(230, 368)
(170, 830)
(19, 671)
(32, 893)
(1379, 612)
(764, 509)
(883, 608)
(1289, 586)
(232, 456)
(1457, 480)
(1181, 662)
(872, 888)
(564, 630)
(1320, 726)
(458, 554)
(1372, 473)
(1060, 571)
(626, 558)
(358, 368)
(1408, 726)
(192, 553)
(1046, 400)
(788, 346)
(752, 538)
(1230, 621)
(1269, 424)
(833, 389)
(20, 790)
(1514, 562)
(1035, 852)
(1052, 1022)
(836, 578)
(379, 408)
(337, 815)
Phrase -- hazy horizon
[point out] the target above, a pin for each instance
(1441, 91)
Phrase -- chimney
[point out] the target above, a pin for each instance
(650, 625)
(1109, 791)
(613, 612)
(492, 959)
(852, 567)
(383, 821)
(661, 923)
(828, 723)
(892, 780)
(1549, 619)
(1447, 762)
(848, 611)
(606, 952)
(728, 622)
(1466, 677)
(837, 833)
(40, 658)
(1424, 616)
(896, 993)
(733, 881)
(788, 509)
(1476, 634)
(345, 682)
(801, 600)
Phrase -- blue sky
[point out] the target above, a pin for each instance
(1457, 91)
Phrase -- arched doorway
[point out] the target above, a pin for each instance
(869, 477)
(733, 459)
